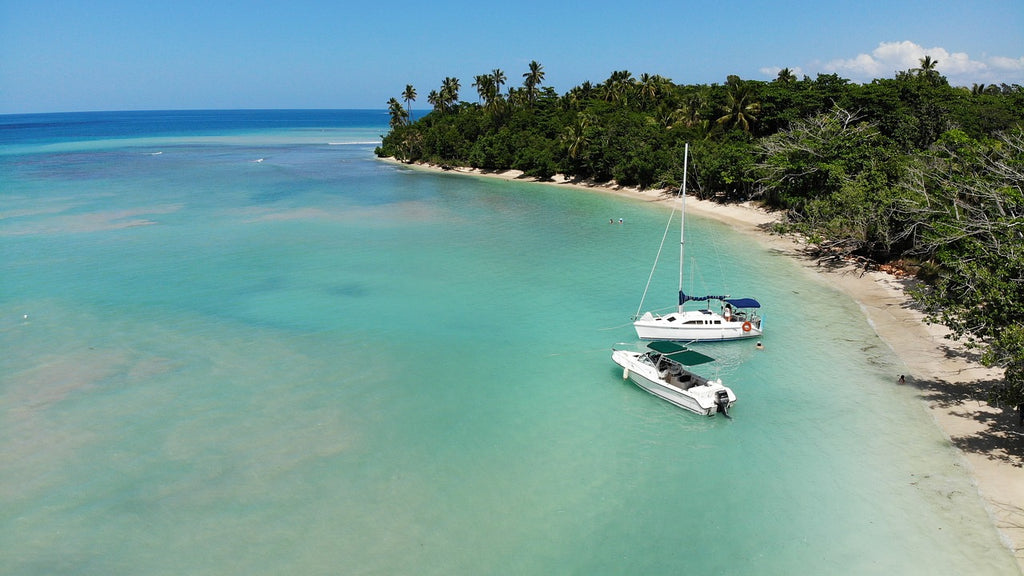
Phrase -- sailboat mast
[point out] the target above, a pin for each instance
(682, 222)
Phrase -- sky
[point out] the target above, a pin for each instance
(81, 55)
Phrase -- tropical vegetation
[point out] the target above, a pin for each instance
(907, 171)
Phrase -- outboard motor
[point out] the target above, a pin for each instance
(722, 401)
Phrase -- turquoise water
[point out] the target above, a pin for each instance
(236, 343)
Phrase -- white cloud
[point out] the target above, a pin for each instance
(773, 71)
(1007, 64)
(892, 57)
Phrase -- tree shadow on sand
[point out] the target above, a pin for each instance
(1001, 437)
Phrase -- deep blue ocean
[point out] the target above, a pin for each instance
(235, 342)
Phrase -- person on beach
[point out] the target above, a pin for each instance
(902, 379)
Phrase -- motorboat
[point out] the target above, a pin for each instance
(664, 371)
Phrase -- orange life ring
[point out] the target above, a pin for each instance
(746, 326)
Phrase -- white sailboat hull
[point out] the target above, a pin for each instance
(700, 396)
(695, 325)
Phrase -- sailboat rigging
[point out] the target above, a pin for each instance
(735, 318)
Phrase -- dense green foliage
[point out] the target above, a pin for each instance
(907, 169)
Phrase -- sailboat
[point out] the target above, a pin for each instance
(721, 317)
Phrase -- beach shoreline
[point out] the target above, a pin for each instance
(987, 438)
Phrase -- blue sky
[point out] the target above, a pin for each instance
(119, 55)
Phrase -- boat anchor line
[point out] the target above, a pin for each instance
(619, 327)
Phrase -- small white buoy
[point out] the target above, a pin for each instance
(625, 373)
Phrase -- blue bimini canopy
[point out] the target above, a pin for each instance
(743, 302)
(736, 302)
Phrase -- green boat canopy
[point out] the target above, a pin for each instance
(679, 353)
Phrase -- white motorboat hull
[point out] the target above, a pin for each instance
(702, 398)
(695, 325)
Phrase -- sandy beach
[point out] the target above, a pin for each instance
(989, 439)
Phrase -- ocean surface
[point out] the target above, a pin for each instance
(235, 342)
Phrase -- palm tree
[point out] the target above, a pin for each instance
(498, 77)
(576, 136)
(786, 76)
(449, 92)
(517, 97)
(927, 66)
(399, 116)
(485, 88)
(695, 106)
(574, 99)
(650, 87)
(532, 79)
(740, 107)
(409, 95)
(434, 99)
(929, 71)
(618, 86)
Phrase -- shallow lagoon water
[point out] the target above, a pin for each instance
(243, 348)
